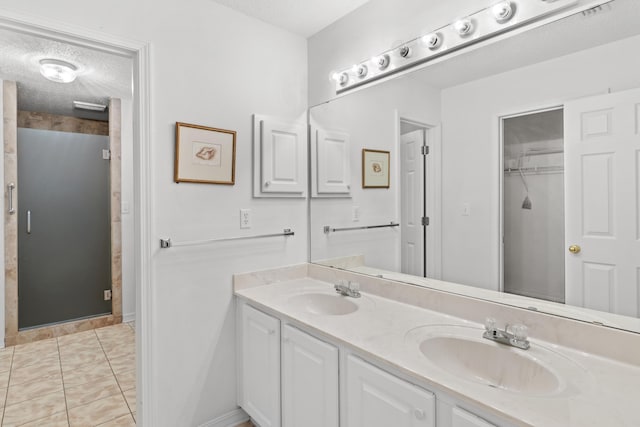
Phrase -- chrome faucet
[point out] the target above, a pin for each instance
(515, 336)
(351, 289)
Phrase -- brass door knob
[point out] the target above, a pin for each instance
(574, 249)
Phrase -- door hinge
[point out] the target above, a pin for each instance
(106, 154)
(425, 150)
(425, 221)
(107, 294)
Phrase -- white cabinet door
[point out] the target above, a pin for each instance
(280, 157)
(331, 167)
(462, 418)
(375, 398)
(260, 396)
(309, 381)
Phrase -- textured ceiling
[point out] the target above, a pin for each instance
(101, 76)
(302, 17)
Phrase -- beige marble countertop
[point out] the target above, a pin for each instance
(598, 392)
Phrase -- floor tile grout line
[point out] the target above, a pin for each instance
(6, 397)
(64, 388)
(116, 378)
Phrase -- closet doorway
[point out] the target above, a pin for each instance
(533, 219)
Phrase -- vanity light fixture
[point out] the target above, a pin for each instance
(432, 41)
(81, 105)
(502, 11)
(58, 71)
(463, 27)
(496, 18)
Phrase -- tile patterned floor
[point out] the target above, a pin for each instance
(85, 379)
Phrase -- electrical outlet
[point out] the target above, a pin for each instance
(245, 218)
(355, 213)
(107, 294)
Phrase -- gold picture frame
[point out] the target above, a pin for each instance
(204, 155)
(375, 168)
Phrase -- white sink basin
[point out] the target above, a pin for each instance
(460, 351)
(492, 364)
(324, 304)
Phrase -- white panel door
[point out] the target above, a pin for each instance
(602, 186)
(378, 399)
(260, 366)
(309, 381)
(412, 200)
(332, 162)
(462, 418)
(283, 157)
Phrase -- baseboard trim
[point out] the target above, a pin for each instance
(230, 419)
(129, 317)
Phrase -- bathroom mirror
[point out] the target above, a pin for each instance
(515, 201)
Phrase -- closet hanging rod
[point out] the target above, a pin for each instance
(328, 229)
(167, 243)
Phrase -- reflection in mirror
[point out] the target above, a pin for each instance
(530, 192)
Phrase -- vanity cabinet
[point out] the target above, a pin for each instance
(260, 366)
(309, 380)
(375, 398)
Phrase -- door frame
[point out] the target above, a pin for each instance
(432, 192)
(140, 52)
(501, 118)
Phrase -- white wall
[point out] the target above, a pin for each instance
(374, 28)
(370, 118)
(214, 67)
(471, 168)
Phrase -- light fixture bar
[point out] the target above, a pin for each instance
(80, 105)
(500, 17)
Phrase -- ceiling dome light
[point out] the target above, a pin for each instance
(502, 11)
(432, 41)
(58, 71)
(463, 27)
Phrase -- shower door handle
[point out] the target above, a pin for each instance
(28, 222)
(11, 187)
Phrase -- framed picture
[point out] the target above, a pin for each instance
(205, 155)
(375, 168)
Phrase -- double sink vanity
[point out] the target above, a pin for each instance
(405, 355)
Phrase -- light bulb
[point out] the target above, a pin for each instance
(343, 79)
(381, 61)
(463, 27)
(502, 11)
(362, 71)
(432, 41)
(405, 51)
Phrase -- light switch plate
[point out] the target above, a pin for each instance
(355, 214)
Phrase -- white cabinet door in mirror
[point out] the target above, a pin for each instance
(280, 153)
(309, 380)
(378, 399)
(260, 377)
(330, 164)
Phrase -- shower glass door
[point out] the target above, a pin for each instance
(64, 246)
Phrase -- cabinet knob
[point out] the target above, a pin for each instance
(419, 413)
(272, 331)
(267, 183)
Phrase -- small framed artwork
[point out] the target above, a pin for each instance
(205, 155)
(375, 168)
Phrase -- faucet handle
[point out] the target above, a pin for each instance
(490, 324)
(354, 286)
(520, 332)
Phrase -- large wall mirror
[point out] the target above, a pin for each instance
(530, 192)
